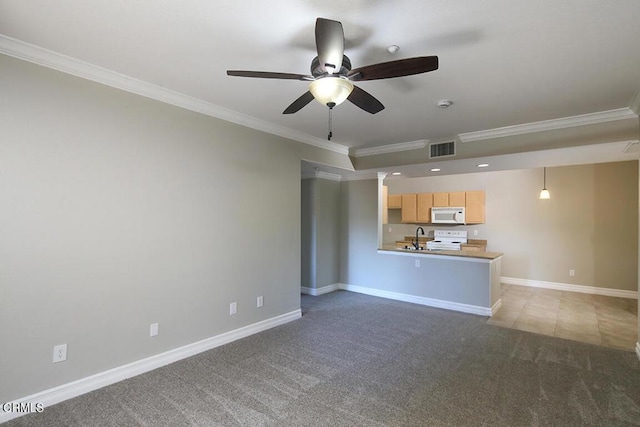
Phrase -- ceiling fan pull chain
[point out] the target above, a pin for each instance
(330, 105)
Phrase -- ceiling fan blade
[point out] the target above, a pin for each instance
(329, 44)
(268, 75)
(399, 68)
(365, 100)
(297, 105)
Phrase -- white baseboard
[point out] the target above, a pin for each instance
(320, 291)
(496, 306)
(102, 379)
(570, 288)
(455, 306)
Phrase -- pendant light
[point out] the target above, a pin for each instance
(544, 194)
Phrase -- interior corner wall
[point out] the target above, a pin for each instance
(119, 211)
(320, 232)
(308, 234)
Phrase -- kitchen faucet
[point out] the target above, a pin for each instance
(416, 244)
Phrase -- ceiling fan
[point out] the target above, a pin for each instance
(331, 74)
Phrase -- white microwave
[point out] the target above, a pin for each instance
(447, 215)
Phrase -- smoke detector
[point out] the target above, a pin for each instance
(444, 103)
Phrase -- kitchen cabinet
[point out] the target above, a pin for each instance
(394, 201)
(423, 208)
(440, 199)
(416, 208)
(409, 208)
(474, 207)
(457, 199)
(454, 199)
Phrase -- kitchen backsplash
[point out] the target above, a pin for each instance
(394, 232)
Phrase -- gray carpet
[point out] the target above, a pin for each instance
(356, 360)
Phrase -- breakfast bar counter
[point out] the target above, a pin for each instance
(462, 253)
(461, 280)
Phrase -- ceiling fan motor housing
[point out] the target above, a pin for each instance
(317, 70)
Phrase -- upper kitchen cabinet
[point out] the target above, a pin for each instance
(440, 199)
(394, 201)
(457, 199)
(474, 207)
(409, 208)
(449, 199)
(416, 208)
(423, 209)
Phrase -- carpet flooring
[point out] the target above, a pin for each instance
(357, 360)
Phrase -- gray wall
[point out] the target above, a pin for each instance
(590, 224)
(308, 234)
(321, 232)
(119, 211)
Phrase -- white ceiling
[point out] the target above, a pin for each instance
(502, 62)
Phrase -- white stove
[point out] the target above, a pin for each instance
(447, 240)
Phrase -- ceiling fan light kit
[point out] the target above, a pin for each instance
(329, 90)
(331, 74)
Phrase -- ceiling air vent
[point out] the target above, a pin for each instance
(442, 149)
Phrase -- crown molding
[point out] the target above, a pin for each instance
(322, 175)
(391, 148)
(561, 123)
(361, 176)
(66, 64)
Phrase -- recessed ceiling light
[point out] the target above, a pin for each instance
(483, 165)
(396, 173)
(444, 103)
(435, 169)
(393, 48)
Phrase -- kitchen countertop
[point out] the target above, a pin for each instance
(462, 253)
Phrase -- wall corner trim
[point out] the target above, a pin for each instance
(85, 385)
(638, 350)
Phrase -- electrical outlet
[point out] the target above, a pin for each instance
(153, 330)
(389, 229)
(259, 301)
(475, 232)
(572, 272)
(233, 308)
(417, 263)
(59, 353)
